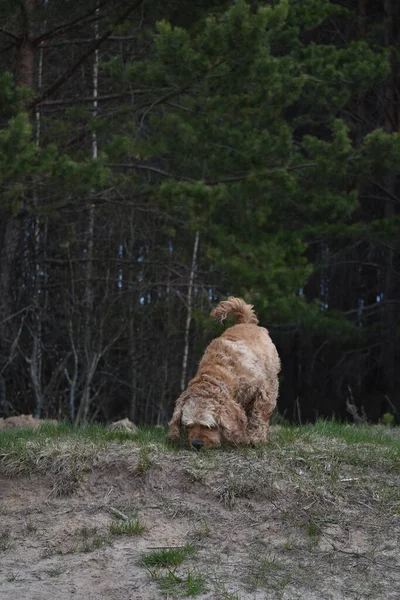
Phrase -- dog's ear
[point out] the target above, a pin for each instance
(174, 430)
(233, 420)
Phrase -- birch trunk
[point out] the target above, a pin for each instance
(391, 108)
(189, 312)
(92, 358)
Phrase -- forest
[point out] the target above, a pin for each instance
(157, 157)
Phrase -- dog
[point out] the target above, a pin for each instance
(231, 398)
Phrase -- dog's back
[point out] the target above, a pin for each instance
(244, 349)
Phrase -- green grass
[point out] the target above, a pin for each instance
(67, 453)
(366, 446)
(130, 527)
(313, 529)
(97, 434)
(190, 584)
(354, 434)
(162, 565)
(351, 434)
(167, 557)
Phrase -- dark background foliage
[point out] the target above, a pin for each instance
(156, 157)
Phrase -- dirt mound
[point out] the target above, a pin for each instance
(24, 421)
(298, 519)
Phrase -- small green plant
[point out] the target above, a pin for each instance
(168, 557)
(264, 570)
(30, 527)
(5, 542)
(388, 419)
(54, 572)
(144, 461)
(12, 577)
(191, 583)
(194, 583)
(88, 532)
(223, 594)
(162, 566)
(95, 543)
(130, 527)
(313, 529)
(48, 553)
(201, 532)
(92, 540)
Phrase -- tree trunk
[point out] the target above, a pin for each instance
(388, 357)
(26, 50)
(189, 311)
(92, 358)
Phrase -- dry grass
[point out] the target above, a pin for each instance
(63, 462)
(65, 455)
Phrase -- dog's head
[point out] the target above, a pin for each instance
(209, 424)
(199, 420)
(202, 435)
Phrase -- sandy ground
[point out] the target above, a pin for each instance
(257, 535)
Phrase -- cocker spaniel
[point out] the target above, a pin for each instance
(232, 396)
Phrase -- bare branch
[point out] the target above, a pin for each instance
(210, 182)
(61, 29)
(10, 34)
(96, 44)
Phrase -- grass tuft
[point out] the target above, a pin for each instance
(130, 527)
(265, 571)
(54, 572)
(168, 557)
(94, 543)
(243, 479)
(191, 583)
(162, 566)
(6, 542)
(144, 461)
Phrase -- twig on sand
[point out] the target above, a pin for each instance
(116, 512)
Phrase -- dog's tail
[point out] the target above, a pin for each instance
(236, 308)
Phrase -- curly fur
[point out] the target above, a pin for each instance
(232, 396)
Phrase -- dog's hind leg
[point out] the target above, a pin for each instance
(261, 411)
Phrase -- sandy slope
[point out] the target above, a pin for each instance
(264, 526)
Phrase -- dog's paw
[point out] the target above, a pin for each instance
(258, 437)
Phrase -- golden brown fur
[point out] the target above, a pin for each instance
(233, 394)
